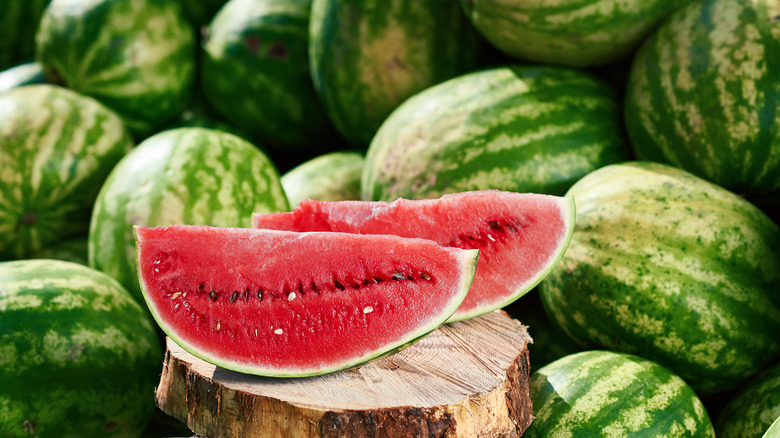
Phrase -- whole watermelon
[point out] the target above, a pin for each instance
(516, 128)
(670, 267)
(201, 12)
(80, 356)
(334, 176)
(703, 95)
(576, 33)
(192, 176)
(56, 149)
(608, 394)
(255, 72)
(18, 22)
(368, 56)
(135, 56)
(754, 408)
(23, 74)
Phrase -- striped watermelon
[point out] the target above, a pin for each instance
(515, 128)
(135, 56)
(256, 72)
(774, 430)
(201, 12)
(23, 74)
(703, 94)
(334, 176)
(673, 268)
(182, 176)
(608, 394)
(368, 56)
(754, 408)
(56, 149)
(576, 33)
(79, 356)
(18, 22)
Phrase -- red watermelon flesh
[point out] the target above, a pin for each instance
(282, 303)
(520, 236)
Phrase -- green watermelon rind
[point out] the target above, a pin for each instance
(753, 407)
(333, 176)
(468, 260)
(569, 213)
(774, 430)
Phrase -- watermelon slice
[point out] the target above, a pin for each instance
(520, 236)
(288, 304)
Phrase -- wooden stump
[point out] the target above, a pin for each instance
(466, 379)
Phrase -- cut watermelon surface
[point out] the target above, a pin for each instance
(281, 303)
(520, 236)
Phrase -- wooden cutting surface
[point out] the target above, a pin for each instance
(466, 379)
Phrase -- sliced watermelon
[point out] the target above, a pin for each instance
(286, 304)
(520, 236)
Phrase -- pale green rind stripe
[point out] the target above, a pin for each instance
(191, 176)
(20, 75)
(56, 149)
(607, 394)
(515, 128)
(754, 408)
(137, 57)
(78, 356)
(670, 267)
(774, 429)
(330, 177)
(577, 33)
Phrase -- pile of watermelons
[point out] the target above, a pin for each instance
(661, 118)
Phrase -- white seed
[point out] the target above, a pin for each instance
(291, 296)
(176, 295)
(491, 238)
(255, 332)
(156, 270)
(218, 326)
(278, 331)
(368, 309)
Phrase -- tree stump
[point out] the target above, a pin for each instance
(465, 379)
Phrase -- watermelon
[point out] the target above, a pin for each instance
(754, 408)
(774, 429)
(73, 249)
(255, 72)
(201, 12)
(520, 236)
(703, 95)
(56, 149)
(135, 56)
(673, 268)
(609, 394)
(180, 176)
(515, 128)
(80, 357)
(23, 74)
(286, 304)
(334, 176)
(368, 56)
(575, 33)
(18, 23)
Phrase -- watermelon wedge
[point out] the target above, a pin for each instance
(288, 304)
(520, 236)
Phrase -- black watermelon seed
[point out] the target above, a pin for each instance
(213, 295)
(338, 285)
(234, 297)
(425, 276)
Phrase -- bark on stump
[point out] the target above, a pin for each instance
(466, 379)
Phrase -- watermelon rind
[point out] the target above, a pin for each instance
(673, 268)
(255, 72)
(367, 56)
(334, 176)
(57, 148)
(611, 394)
(194, 176)
(467, 262)
(528, 129)
(582, 33)
(703, 95)
(753, 408)
(18, 23)
(80, 356)
(137, 57)
(20, 75)
(774, 430)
